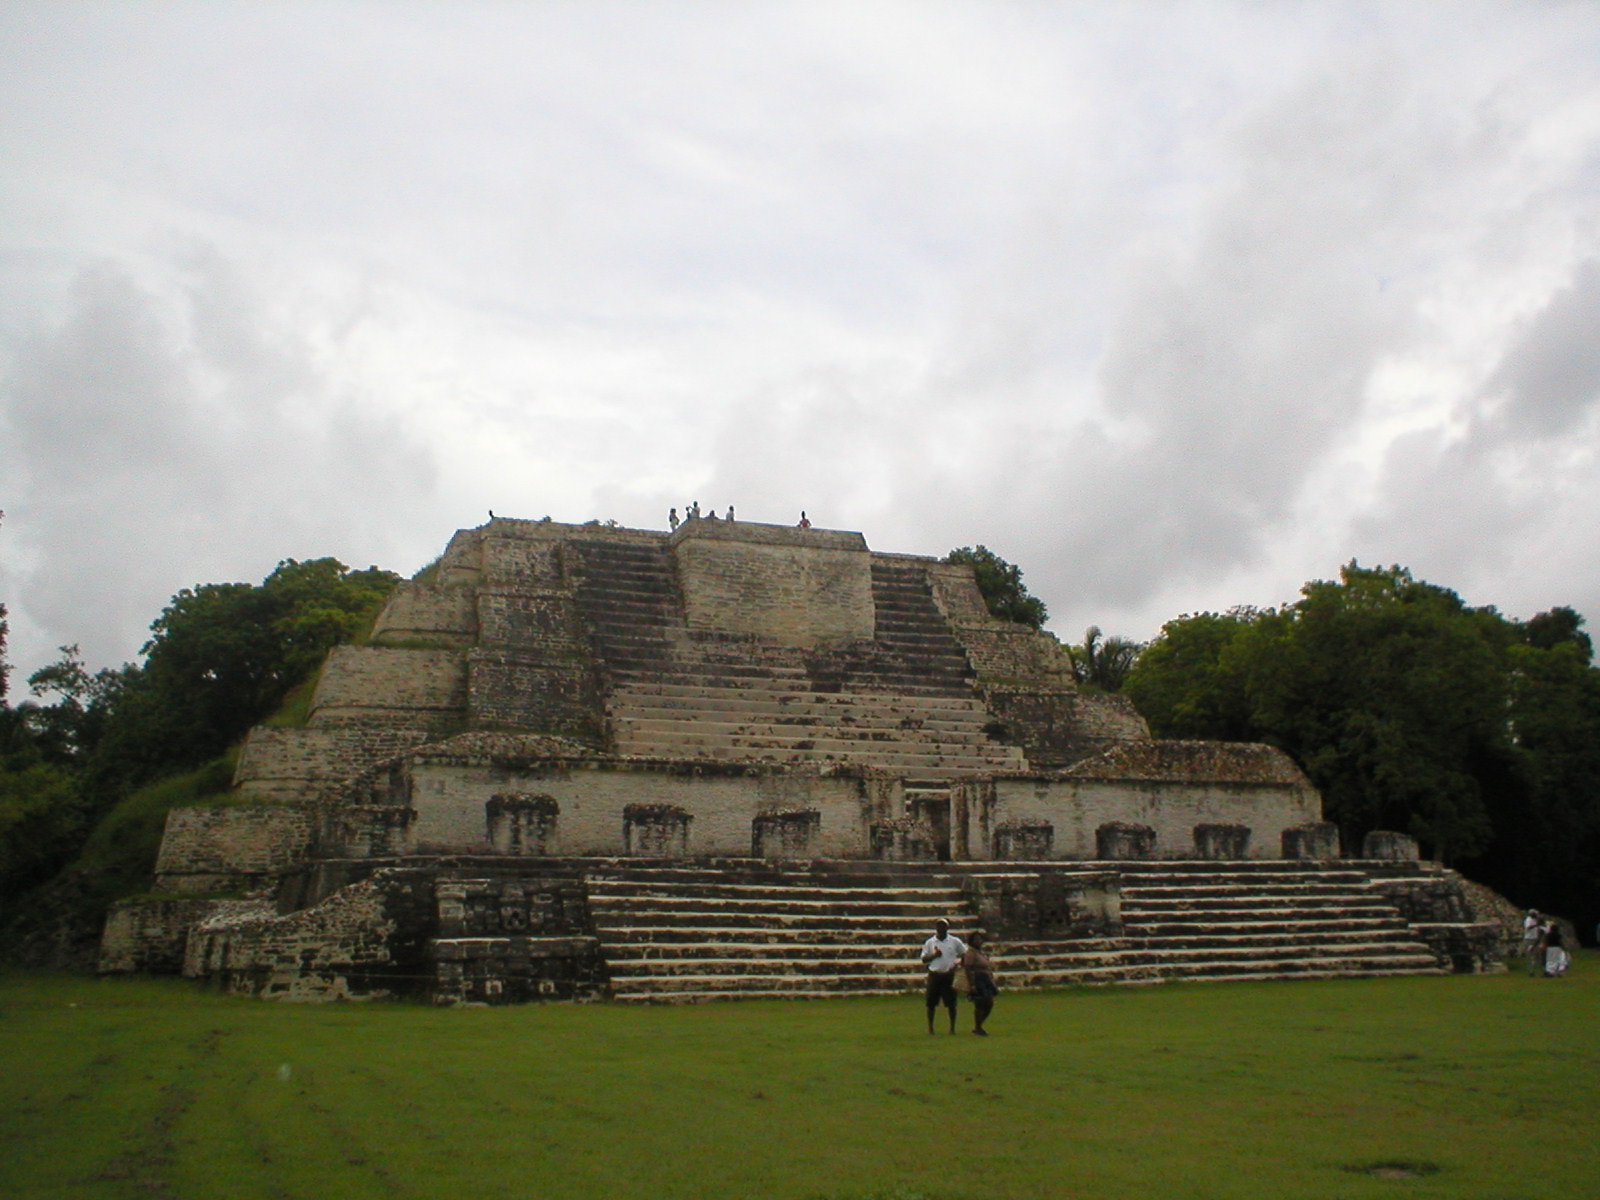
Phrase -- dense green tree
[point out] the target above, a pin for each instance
(1190, 681)
(1409, 710)
(1001, 585)
(1547, 821)
(222, 657)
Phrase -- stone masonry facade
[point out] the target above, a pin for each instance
(552, 695)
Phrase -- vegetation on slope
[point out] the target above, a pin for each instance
(86, 779)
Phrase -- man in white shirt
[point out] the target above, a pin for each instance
(940, 954)
(1532, 937)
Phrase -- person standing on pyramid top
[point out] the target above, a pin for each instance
(805, 521)
(940, 954)
(672, 518)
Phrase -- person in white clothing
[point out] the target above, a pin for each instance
(941, 954)
(1532, 934)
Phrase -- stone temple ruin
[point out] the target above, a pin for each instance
(582, 761)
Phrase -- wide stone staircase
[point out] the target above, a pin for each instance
(1232, 921)
(901, 701)
(680, 933)
(685, 932)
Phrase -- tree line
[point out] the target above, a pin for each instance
(1413, 711)
(1408, 709)
(221, 657)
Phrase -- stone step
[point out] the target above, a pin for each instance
(694, 734)
(626, 723)
(1138, 909)
(950, 766)
(1334, 922)
(911, 978)
(1224, 949)
(754, 686)
(888, 986)
(776, 887)
(755, 905)
(620, 921)
(883, 710)
(739, 967)
(1229, 888)
(640, 940)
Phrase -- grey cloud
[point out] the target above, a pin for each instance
(1461, 505)
(1550, 378)
(152, 443)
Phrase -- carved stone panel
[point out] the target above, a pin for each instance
(1121, 840)
(656, 830)
(1318, 840)
(1222, 842)
(1024, 840)
(785, 834)
(521, 823)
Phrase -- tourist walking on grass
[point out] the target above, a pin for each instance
(941, 954)
(981, 987)
(1532, 934)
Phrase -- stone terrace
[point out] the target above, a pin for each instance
(682, 932)
(902, 701)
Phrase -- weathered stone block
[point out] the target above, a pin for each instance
(517, 970)
(1024, 840)
(380, 684)
(231, 847)
(548, 693)
(1121, 840)
(1313, 841)
(1222, 841)
(794, 834)
(1049, 904)
(1387, 845)
(655, 830)
(521, 822)
(430, 614)
(795, 587)
(902, 839)
(367, 830)
(149, 935)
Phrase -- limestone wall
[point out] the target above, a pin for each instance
(299, 764)
(1000, 651)
(219, 849)
(385, 685)
(797, 587)
(149, 935)
(1059, 726)
(452, 804)
(530, 621)
(1075, 809)
(547, 692)
(434, 615)
(365, 941)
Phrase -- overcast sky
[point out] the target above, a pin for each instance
(1175, 305)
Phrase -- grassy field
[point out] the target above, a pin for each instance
(1457, 1087)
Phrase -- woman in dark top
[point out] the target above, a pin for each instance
(981, 986)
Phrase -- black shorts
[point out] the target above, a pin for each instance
(942, 987)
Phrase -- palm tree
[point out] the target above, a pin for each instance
(1103, 664)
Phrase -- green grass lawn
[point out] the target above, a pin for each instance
(1463, 1087)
